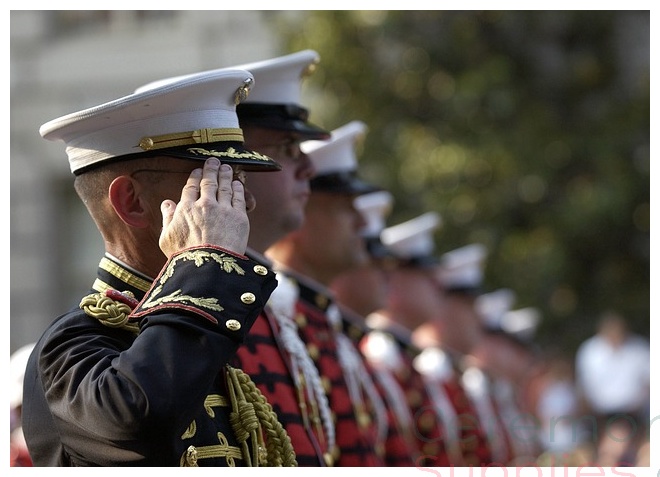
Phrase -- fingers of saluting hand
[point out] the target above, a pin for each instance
(214, 182)
(206, 183)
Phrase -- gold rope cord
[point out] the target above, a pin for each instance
(251, 414)
(109, 312)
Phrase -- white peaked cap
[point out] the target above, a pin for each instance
(280, 78)
(492, 306)
(462, 268)
(521, 323)
(413, 238)
(274, 102)
(179, 116)
(337, 154)
(374, 207)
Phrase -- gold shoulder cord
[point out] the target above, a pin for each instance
(111, 313)
(252, 415)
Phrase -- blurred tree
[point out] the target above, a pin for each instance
(528, 131)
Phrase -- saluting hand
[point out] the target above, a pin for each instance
(212, 211)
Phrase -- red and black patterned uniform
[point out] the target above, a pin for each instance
(443, 412)
(265, 359)
(428, 431)
(94, 388)
(358, 425)
(402, 444)
(477, 450)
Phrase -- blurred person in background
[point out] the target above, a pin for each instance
(362, 292)
(18, 454)
(613, 379)
(557, 409)
(309, 258)
(446, 420)
(508, 353)
(275, 122)
(456, 328)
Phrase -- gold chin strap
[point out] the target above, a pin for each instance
(252, 418)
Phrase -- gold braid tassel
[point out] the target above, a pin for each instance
(251, 415)
(108, 311)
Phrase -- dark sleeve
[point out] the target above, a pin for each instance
(138, 394)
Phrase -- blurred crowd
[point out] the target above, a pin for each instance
(400, 355)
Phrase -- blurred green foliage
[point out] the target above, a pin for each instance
(528, 131)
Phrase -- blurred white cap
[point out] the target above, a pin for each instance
(413, 240)
(462, 269)
(375, 208)
(492, 306)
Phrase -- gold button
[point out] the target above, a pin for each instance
(363, 419)
(301, 319)
(248, 298)
(329, 460)
(313, 351)
(146, 143)
(321, 301)
(426, 422)
(191, 456)
(260, 270)
(336, 453)
(233, 325)
(326, 384)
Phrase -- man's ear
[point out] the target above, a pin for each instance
(129, 204)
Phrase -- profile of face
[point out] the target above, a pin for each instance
(414, 296)
(461, 324)
(363, 289)
(330, 239)
(280, 196)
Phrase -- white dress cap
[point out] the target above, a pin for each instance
(374, 207)
(275, 101)
(492, 306)
(414, 238)
(193, 117)
(335, 161)
(280, 79)
(337, 154)
(522, 323)
(462, 268)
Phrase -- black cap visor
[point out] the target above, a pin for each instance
(284, 117)
(228, 152)
(342, 183)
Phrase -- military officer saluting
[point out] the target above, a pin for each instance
(137, 374)
(328, 243)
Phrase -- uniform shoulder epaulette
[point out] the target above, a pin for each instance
(111, 308)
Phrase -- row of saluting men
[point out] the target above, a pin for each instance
(276, 348)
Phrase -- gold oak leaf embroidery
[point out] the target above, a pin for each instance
(231, 152)
(210, 303)
(199, 258)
